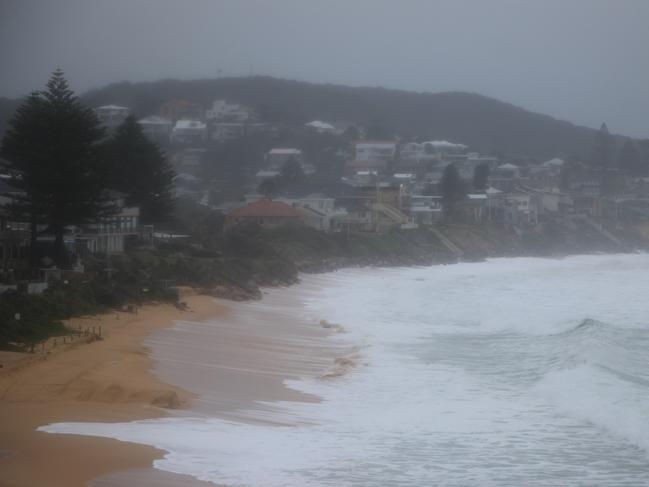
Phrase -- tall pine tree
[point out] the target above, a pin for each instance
(52, 149)
(139, 169)
(452, 189)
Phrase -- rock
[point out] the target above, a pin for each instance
(167, 400)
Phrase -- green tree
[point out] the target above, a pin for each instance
(268, 187)
(292, 175)
(481, 176)
(452, 189)
(52, 149)
(139, 169)
(629, 160)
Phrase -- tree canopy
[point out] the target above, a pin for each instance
(53, 151)
(452, 189)
(139, 169)
(481, 176)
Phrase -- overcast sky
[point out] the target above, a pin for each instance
(586, 61)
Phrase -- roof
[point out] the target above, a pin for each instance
(154, 119)
(283, 151)
(112, 107)
(443, 143)
(319, 124)
(266, 208)
(508, 166)
(189, 124)
(376, 142)
(554, 162)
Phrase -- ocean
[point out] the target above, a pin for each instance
(509, 372)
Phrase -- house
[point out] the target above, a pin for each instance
(425, 209)
(521, 206)
(156, 128)
(375, 150)
(442, 148)
(224, 131)
(467, 166)
(375, 208)
(222, 111)
(188, 160)
(277, 157)
(476, 206)
(411, 151)
(264, 174)
(109, 235)
(112, 116)
(175, 110)
(318, 210)
(189, 132)
(266, 213)
(321, 127)
(505, 177)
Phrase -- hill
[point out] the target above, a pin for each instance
(485, 124)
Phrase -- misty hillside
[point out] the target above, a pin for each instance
(485, 124)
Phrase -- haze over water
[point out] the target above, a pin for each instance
(504, 373)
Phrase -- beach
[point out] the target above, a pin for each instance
(109, 380)
(135, 372)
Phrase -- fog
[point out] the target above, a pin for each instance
(580, 60)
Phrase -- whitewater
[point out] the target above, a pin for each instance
(509, 372)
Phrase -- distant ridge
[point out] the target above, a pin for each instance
(484, 124)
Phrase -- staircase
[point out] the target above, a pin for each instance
(395, 215)
(599, 229)
(454, 249)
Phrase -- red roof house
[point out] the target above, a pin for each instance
(266, 213)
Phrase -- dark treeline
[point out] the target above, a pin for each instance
(485, 124)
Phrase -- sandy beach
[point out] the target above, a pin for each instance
(232, 361)
(109, 380)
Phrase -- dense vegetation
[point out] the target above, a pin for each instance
(485, 124)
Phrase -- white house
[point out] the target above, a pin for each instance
(156, 128)
(111, 116)
(442, 147)
(224, 131)
(321, 127)
(189, 131)
(109, 236)
(277, 157)
(222, 111)
(375, 150)
(426, 210)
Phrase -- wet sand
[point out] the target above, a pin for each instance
(108, 380)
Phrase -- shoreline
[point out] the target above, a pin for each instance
(110, 380)
(96, 392)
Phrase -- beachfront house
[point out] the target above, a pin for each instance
(266, 213)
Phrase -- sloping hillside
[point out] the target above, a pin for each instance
(485, 124)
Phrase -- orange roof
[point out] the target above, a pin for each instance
(266, 208)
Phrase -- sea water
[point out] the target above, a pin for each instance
(510, 372)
